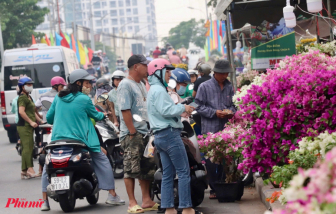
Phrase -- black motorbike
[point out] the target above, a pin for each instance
(70, 173)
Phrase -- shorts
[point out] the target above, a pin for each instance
(135, 164)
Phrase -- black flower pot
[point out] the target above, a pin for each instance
(240, 189)
(229, 192)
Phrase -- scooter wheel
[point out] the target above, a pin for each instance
(67, 201)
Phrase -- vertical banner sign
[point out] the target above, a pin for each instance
(271, 42)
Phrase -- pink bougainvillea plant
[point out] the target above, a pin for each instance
(296, 99)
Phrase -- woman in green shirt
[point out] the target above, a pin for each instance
(26, 125)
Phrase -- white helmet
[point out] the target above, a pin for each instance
(118, 75)
(193, 72)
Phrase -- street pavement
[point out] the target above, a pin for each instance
(11, 186)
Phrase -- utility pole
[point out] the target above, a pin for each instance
(93, 46)
(228, 29)
(59, 20)
(114, 43)
(206, 7)
(74, 19)
(53, 17)
(102, 33)
(50, 19)
(330, 16)
(1, 44)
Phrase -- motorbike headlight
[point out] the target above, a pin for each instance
(77, 157)
(103, 132)
(47, 159)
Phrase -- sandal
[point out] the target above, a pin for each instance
(136, 209)
(213, 196)
(153, 208)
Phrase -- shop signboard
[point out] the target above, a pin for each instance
(270, 44)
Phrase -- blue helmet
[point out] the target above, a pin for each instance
(180, 76)
(24, 80)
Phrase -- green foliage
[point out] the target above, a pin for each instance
(109, 53)
(284, 174)
(185, 32)
(19, 18)
(212, 3)
(216, 52)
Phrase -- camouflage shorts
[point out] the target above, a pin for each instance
(135, 164)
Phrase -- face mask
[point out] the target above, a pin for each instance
(182, 90)
(28, 88)
(86, 90)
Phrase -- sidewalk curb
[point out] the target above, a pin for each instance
(266, 191)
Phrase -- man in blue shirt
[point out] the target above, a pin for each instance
(214, 100)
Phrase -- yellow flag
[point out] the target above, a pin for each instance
(43, 41)
(81, 53)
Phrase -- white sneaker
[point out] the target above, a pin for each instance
(45, 206)
(114, 200)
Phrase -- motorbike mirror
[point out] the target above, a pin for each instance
(102, 98)
(191, 87)
(46, 104)
(137, 117)
(172, 84)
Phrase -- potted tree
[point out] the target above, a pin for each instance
(225, 148)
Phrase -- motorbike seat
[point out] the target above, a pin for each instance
(67, 142)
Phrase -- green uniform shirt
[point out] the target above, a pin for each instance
(188, 93)
(29, 109)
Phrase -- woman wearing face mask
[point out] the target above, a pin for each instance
(25, 126)
(70, 115)
(165, 121)
(182, 79)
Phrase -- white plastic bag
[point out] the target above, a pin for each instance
(149, 150)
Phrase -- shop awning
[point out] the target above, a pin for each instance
(256, 11)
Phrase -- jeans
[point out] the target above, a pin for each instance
(101, 166)
(174, 159)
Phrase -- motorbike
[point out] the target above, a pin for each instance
(110, 137)
(70, 173)
(198, 172)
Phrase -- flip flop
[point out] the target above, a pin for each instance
(136, 209)
(153, 208)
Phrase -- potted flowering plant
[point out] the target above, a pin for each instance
(225, 148)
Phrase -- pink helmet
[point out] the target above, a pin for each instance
(159, 64)
(57, 81)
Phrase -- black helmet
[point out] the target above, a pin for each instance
(79, 74)
(205, 69)
(101, 82)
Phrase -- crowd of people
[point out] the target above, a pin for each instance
(144, 92)
(173, 56)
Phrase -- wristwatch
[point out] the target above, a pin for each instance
(133, 133)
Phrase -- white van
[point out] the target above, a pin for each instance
(39, 62)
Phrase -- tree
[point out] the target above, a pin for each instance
(212, 3)
(186, 32)
(19, 18)
(109, 53)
